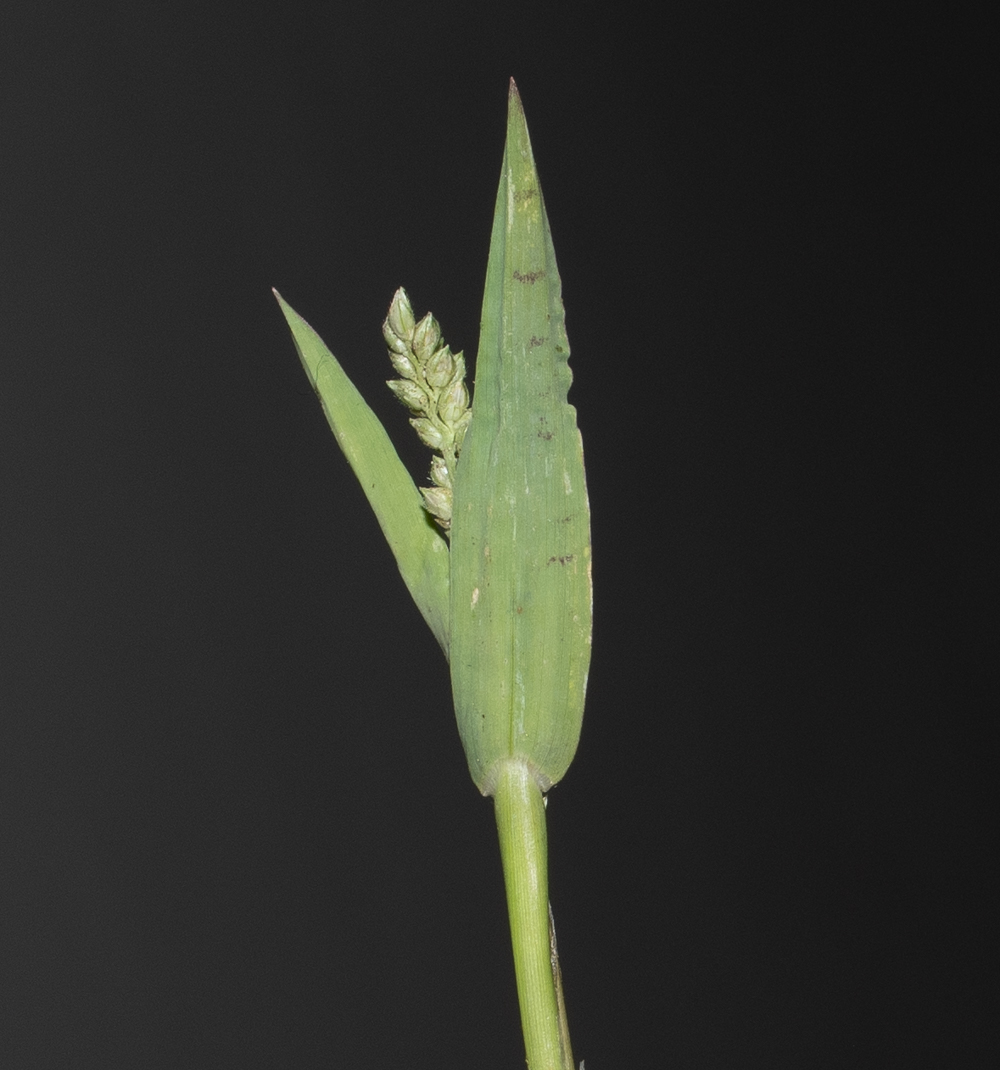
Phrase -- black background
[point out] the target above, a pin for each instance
(237, 828)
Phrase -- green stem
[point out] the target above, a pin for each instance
(520, 813)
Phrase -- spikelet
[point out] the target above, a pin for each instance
(433, 388)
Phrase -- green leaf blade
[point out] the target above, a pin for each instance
(520, 541)
(421, 553)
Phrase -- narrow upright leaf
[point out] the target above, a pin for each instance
(420, 550)
(520, 537)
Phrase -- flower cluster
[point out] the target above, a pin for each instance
(433, 388)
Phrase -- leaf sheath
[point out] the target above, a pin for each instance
(520, 538)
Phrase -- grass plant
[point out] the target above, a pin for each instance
(496, 550)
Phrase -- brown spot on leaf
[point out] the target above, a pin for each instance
(531, 276)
